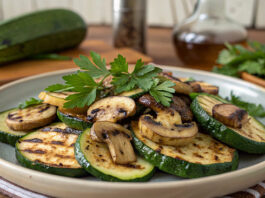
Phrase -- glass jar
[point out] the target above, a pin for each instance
(129, 24)
(199, 39)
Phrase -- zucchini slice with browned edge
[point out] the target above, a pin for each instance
(136, 93)
(204, 156)
(249, 138)
(50, 150)
(73, 121)
(8, 135)
(95, 158)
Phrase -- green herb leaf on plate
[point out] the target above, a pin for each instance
(29, 102)
(253, 109)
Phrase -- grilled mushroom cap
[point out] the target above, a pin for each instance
(118, 141)
(167, 127)
(111, 109)
(230, 115)
(31, 117)
(180, 87)
(199, 86)
(184, 110)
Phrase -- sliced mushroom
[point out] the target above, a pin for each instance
(118, 141)
(180, 87)
(111, 109)
(172, 135)
(230, 115)
(31, 117)
(199, 86)
(167, 127)
(184, 110)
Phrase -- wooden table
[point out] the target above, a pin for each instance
(159, 45)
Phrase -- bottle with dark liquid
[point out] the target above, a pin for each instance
(202, 36)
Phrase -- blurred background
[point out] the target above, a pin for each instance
(165, 13)
(183, 33)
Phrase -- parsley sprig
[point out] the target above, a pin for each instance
(87, 88)
(236, 58)
(251, 108)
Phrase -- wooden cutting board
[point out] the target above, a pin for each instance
(25, 68)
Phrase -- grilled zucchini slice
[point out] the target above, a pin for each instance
(249, 138)
(95, 158)
(8, 135)
(136, 93)
(204, 156)
(76, 121)
(50, 150)
(58, 99)
(31, 117)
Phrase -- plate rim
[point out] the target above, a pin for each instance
(135, 185)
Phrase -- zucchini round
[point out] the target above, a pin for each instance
(8, 135)
(50, 150)
(204, 156)
(250, 138)
(136, 93)
(73, 121)
(40, 32)
(95, 158)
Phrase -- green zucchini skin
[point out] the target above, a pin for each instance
(48, 169)
(84, 162)
(52, 169)
(40, 32)
(6, 135)
(222, 132)
(73, 122)
(179, 167)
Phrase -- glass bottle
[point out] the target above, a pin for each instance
(199, 39)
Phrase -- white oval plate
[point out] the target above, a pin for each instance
(251, 168)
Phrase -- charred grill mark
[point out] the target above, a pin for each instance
(94, 111)
(35, 140)
(57, 142)
(122, 111)
(11, 116)
(105, 135)
(57, 130)
(46, 129)
(197, 155)
(159, 149)
(121, 152)
(180, 151)
(73, 144)
(72, 131)
(151, 121)
(133, 166)
(97, 145)
(20, 120)
(87, 147)
(44, 108)
(216, 158)
(38, 151)
(260, 137)
(64, 156)
(67, 130)
(115, 132)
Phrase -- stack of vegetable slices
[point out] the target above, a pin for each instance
(180, 126)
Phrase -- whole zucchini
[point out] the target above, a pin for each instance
(40, 32)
